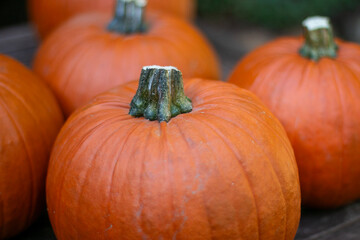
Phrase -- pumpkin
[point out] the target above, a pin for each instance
(312, 84)
(30, 119)
(48, 15)
(213, 163)
(92, 54)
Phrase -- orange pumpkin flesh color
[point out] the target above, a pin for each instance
(216, 165)
(83, 58)
(47, 15)
(29, 122)
(318, 102)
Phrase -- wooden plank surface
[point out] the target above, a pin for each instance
(21, 43)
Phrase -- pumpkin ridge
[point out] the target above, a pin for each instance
(277, 133)
(72, 153)
(170, 168)
(276, 176)
(337, 82)
(195, 160)
(125, 140)
(104, 141)
(25, 104)
(350, 70)
(22, 138)
(216, 133)
(81, 55)
(70, 48)
(236, 154)
(138, 222)
(281, 62)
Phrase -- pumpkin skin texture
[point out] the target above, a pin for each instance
(30, 119)
(82, 59)
(48, 15)
(319, 105)
(226, 170)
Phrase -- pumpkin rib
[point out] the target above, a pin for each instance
(138, 222)
(302, 81)
(170, 168)
(80, 56)
(267, 157)
(214, 130)
(270, 71)
(241, 128)
(189, 148)
(31, 166)
(282, 84)
(25, 104)
(194, 116)
(101, 144)
(236, 154)
(277, 133)
(71, 152)
(334, 69)
(77, 41)
(124, 140)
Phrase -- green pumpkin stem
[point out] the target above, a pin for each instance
(160, 95)
(128, 17)
(319, 39)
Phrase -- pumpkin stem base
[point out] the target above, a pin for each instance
(319, 39)
(128, 17)
(160, 95)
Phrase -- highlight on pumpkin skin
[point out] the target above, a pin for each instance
(319, 39)
(128, 16)
(160, 95)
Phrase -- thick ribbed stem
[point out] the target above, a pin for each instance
(128, 17)
(319, 39)
(160, 95)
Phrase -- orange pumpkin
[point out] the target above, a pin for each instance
(216, 165)
(49, 14)
(313, 86)
(30, 119)
(83, 58)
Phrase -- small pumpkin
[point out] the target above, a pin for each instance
(214, 164)
(30, 119)
(48, 15)
(312, 84)
(92, 54)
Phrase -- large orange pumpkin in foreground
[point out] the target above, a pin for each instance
(29, 122)
(88, 55)
(220, 167)
(49, 14)
(313, 86)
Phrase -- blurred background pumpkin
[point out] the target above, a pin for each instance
(48, 15)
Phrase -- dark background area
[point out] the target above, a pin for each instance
(12, 12)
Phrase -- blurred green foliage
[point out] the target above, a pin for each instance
(276, 14)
